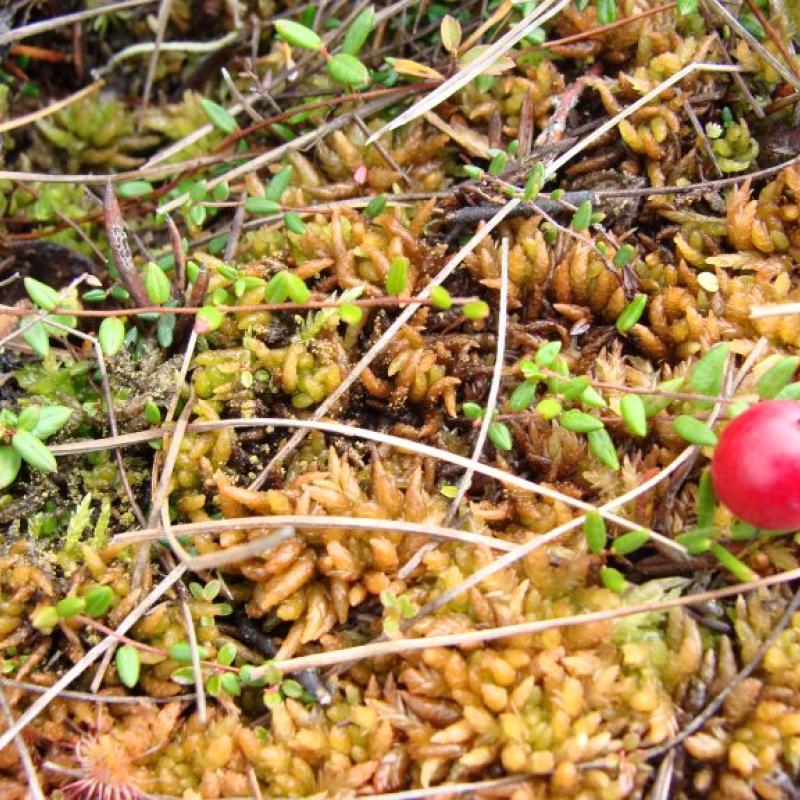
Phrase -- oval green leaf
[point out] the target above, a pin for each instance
(602, 448)
(99, 600)
(51, 420)
(594, 529)
(10, 462)
(348, 71)
(694, 431)
(358, 32)
(633, 412)
(298, 35)
(128, 665)
(220, 117)
(777, 377)
(111, 335)
(156, 283)
(34, 451)
(629, 542)
(42, 295)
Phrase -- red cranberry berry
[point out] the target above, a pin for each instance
(756, 465)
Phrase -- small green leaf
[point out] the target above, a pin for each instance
(694, 431)
(230, 683)
(594, 529)
(94, 296)
(165, 328)
(606, 11)
(156, 283)
(534, 182)
(737, 568)
(655, 404)
(790, 392)
(45, 619)
(291, 688)
(633, 412)
(28, 417)
(294, 222)
(128, 665)
(531, 370)
(706, 376)
(450, 34)
(582, 217)
(777, 377)
(500, 436)
(602, 448)
(277, 290)
(687, 7)
(37, 337)
(41, 294)
(632, 313)
(214, 685)
(70, 607)
(742, 532)
(573, 389)
(51, 420)
(152, 413)
(247, 678)
(99, 600)
(629, 542)
(350, 313)
(498, 163)
(376, 206)
(226, 654)
(221, 192)
(198, 191)
(111, 335)
(358, 32)
(348, 71)
(260, 205)
(10, 462)
(706, 500)
(34, 451)
(548, 408)
(472, 411)
(208, 319)
(211, 590)
(475, 310)
(579, 421)
(397, 276)
(624, 255)
(182, 651)
(476, 173)
(695, 542)
(440, 297)
(220, 117)
(592, 398)
(522, 396)
(197, 216)
(547, 354)
(278, 184)
(296, 288)
(183, 676)
(613, 579)
(297, 35)
(138, 188)
(752, 26)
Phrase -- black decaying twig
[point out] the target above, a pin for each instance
(249, 634)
